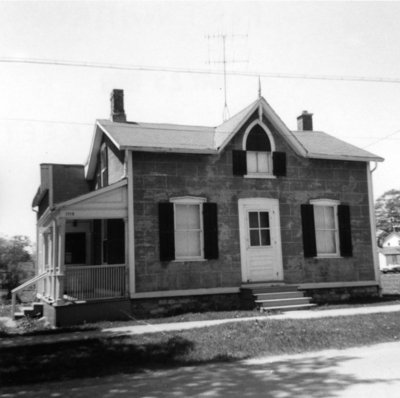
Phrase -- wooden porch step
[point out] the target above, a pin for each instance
(33, 311)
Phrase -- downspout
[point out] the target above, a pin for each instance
(373, 225)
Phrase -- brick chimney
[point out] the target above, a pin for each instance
(117, 106)
(304, 122)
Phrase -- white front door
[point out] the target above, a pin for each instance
(260, 240)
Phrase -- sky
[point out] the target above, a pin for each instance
(47, 112)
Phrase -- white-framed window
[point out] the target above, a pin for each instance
(259, 228)
(259, 162)
(326, 227)
(188, 228)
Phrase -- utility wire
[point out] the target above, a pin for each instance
(371, 79)
(144, 68)
(382, 139)
(45, 121)
(91, 124)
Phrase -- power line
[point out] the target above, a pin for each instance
(147, 68)
(91, 124)
(44, 121)
(382, 139)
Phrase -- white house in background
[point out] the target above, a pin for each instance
(392, 240)
(389, 253)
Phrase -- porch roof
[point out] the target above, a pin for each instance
(107, 202)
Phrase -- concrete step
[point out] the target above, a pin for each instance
(283, 302)
(279, 295)
(38, 306)
(259, 289)
(33, 311)
(19, 315)
(289, 307)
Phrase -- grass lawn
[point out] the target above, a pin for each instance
(105, 355)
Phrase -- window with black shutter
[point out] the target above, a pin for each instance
(308, 229)
(188, 229)
(166, 231)
(210, 225)
(346, 247)
(326, 229)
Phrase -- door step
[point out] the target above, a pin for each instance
(33, 311)
(288, 307)
(274, 298)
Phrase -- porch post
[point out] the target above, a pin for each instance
(40, 260)
(126, 273)
(45, 261)
(54, 258)
(61, 263)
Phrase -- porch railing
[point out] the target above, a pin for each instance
(93, 282)
(26, 284)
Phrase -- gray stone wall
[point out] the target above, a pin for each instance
(160, 176)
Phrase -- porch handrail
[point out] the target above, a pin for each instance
(26, 284)
(83, 266)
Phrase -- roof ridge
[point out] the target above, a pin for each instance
(146, 124)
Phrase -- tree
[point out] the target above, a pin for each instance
(387, 211)
(12, 252)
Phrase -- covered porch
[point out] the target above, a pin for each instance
(83, 248)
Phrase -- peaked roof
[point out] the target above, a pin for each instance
(390, 236)
(152, 137)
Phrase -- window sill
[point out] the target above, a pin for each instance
(322, 256)
(260, 175)
(188, 260)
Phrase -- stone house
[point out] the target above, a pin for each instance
(166, 218)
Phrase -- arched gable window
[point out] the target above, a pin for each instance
(257, 140)
(258, 159)
(258, 151)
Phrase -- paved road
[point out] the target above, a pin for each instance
(359, 372)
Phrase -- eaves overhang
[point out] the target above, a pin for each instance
(200, 151)
(352, 158)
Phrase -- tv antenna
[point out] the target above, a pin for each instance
(224, 61)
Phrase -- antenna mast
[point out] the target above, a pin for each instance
(224, 61)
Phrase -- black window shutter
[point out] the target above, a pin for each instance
(279, 164)
(210, 225)
(166, 231)
(346, 247)
(308, 227)
(239, 163)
